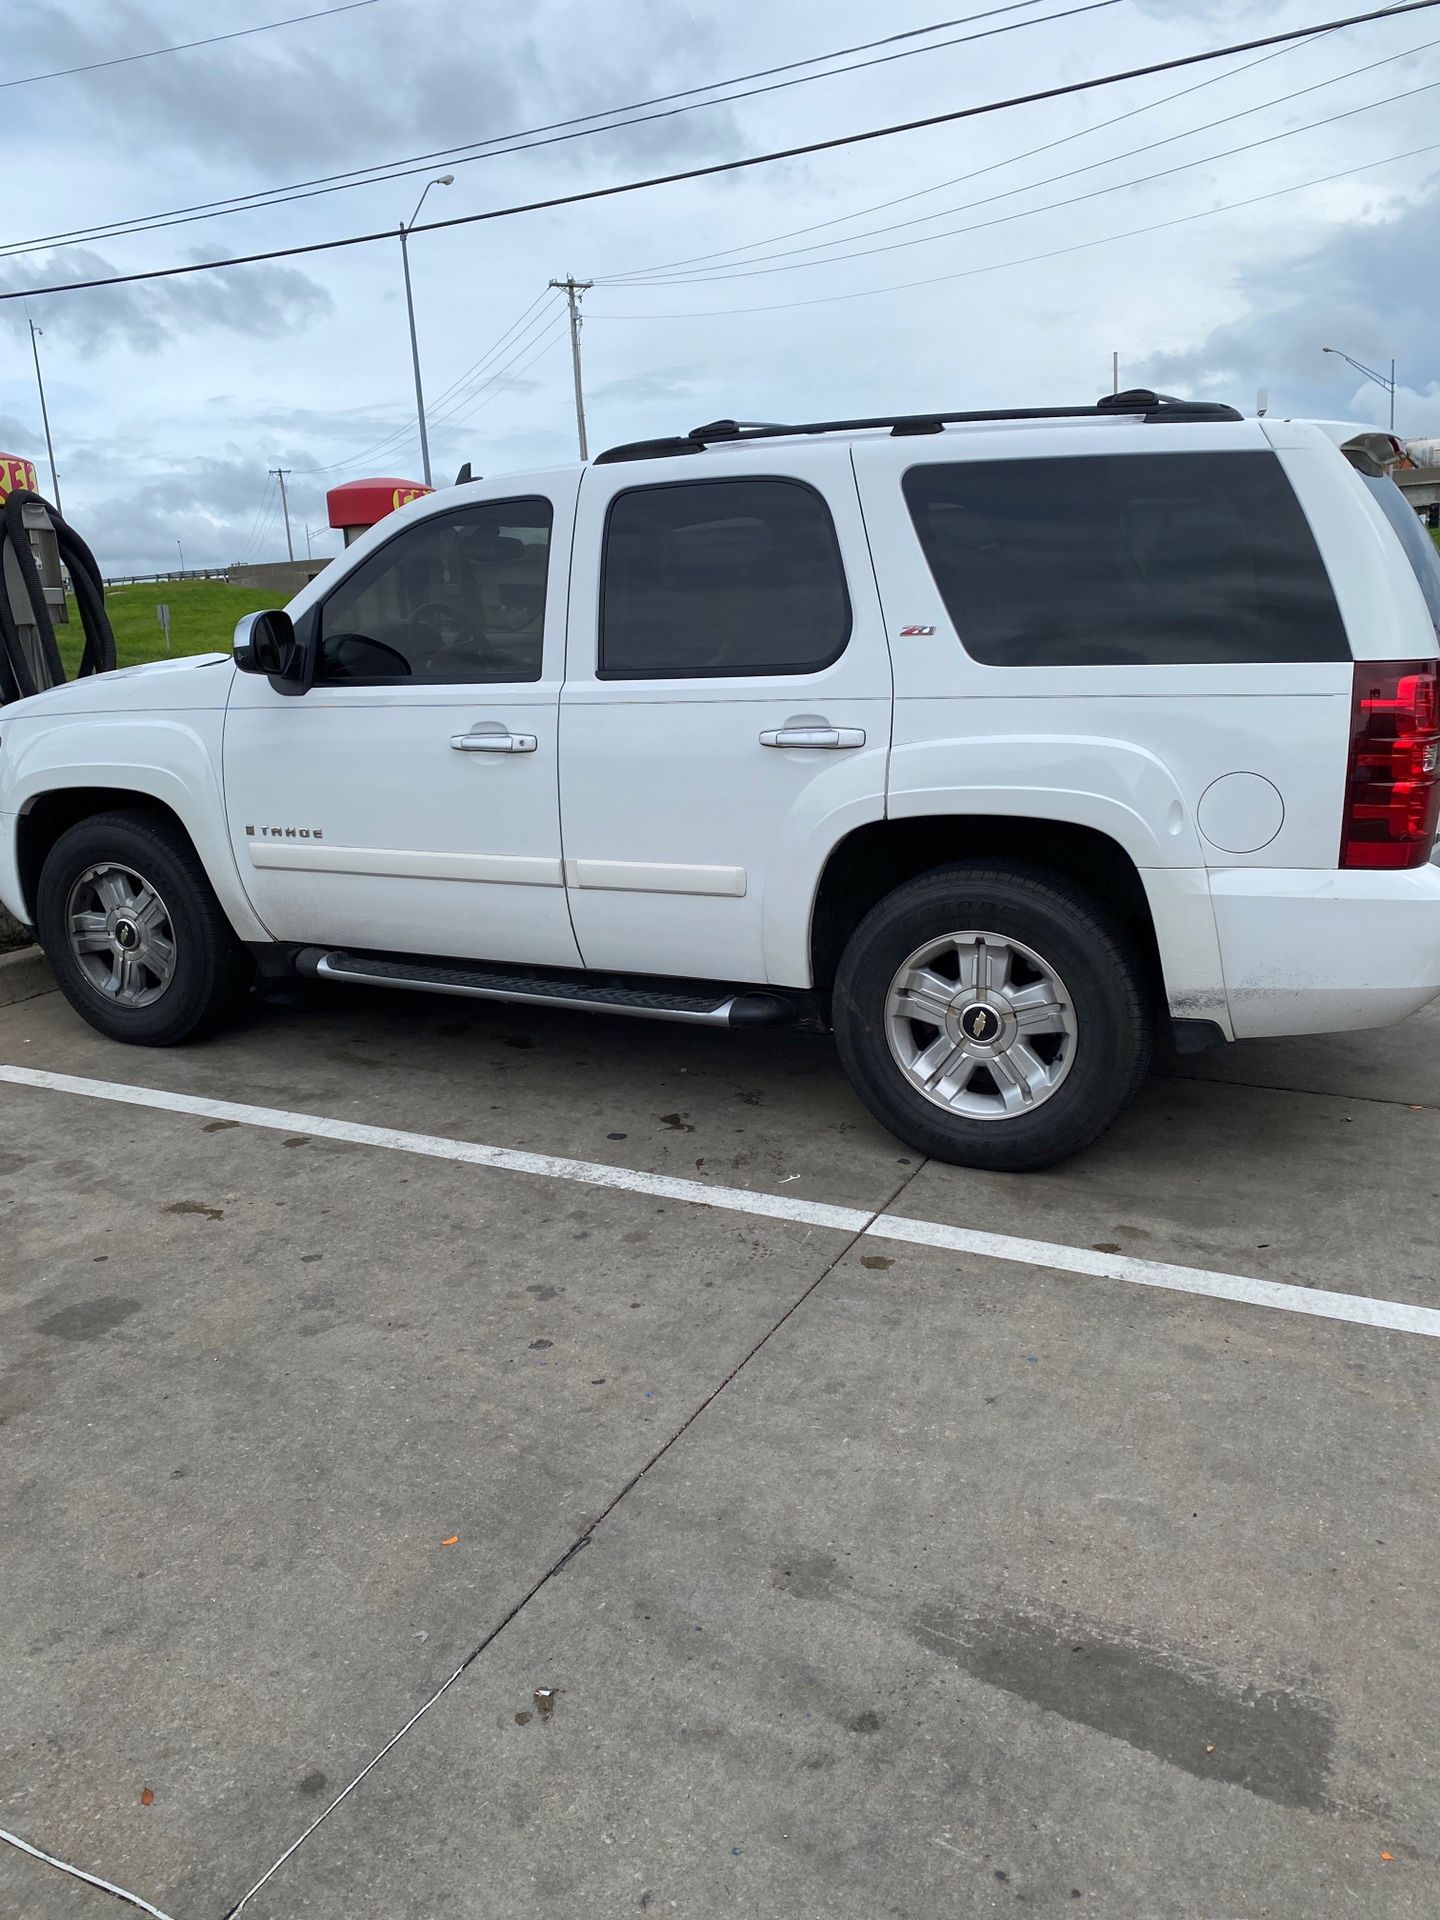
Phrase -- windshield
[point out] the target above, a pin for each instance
(1420, 549)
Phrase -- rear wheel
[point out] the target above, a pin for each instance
(992, 1016)
(138, 942)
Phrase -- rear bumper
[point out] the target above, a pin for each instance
(1308, 951)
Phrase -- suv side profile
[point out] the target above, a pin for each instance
(996, 742)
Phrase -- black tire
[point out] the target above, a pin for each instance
(1074, 936)
(212, 971)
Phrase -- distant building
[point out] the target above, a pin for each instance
(1421, 487)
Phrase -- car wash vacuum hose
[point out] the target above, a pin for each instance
(17, 681)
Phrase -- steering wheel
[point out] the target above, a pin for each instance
(464, 630)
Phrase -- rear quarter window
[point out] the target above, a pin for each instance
(1156, 559)
(1418, 547)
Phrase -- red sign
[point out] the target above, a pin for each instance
(360, 503)
(17, 475)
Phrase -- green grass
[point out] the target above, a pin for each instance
(202, 620)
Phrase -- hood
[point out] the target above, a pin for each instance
(189, 681)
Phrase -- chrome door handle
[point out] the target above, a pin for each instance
(493, 742)
(813, 737)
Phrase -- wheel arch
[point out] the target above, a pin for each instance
(874, 859)
(52, 811)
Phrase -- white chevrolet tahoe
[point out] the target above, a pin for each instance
(997, 742)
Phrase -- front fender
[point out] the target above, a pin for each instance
(173, 758)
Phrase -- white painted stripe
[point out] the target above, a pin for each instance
(590, 1173)
(655, 876)
(78, 1873)
(1358, 1308)
(400, 863)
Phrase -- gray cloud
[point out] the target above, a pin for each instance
(287, 104)
(1372, 289)
(263, 301)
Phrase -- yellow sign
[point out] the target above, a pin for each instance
(402, 496)
(17, 475)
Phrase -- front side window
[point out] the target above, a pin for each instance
(457, 598)
(1157, 559)
(714, 577)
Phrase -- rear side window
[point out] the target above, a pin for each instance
(1420, 549)
(714, 577)
(1152, 559)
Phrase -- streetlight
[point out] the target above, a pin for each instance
(1370, 374)
(181, 552)
(443, 180)
(36, 335)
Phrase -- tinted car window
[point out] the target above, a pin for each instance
(456, 598)
(708, 578)
(1420, 549)
(1118, 559)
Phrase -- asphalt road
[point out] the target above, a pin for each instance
(758, 1520)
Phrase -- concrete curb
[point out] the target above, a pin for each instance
(24, 976)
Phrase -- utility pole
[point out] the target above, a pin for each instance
(35, 335)
(572, 289)
(1114, 373)
(280, 473)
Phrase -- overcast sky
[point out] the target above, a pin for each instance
(170, 400)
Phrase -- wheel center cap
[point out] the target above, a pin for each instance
(127, 935)
(980, 1023)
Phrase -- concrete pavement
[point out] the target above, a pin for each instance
(914, 1583)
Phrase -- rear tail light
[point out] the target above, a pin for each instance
(1392, 788)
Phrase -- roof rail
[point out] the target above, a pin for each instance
(1137, 400)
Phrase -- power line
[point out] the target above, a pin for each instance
(185, 46)
(1029, 259)
(730, 166)
(691, 273)
(959, 179)
(461, 409)
(465, 154)
(1050, 206)
(489, 355)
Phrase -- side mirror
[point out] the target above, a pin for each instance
(265, 643)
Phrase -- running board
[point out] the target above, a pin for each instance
(678, 1000)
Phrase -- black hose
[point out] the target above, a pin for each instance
(17, 681)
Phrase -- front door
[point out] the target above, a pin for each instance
(408, 802)
(726, 712)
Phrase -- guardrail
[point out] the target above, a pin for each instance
(147, 579)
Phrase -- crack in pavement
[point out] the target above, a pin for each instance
(852, 1240)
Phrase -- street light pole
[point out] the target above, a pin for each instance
(35, 333)
(442, 180)
(181, 552)
(1370, 374)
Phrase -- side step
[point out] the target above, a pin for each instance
(666, 1000)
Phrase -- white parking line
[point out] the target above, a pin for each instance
(79, 1873)
(1398, 1316)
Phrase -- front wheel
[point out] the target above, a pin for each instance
(992, 1016)
(131, 927)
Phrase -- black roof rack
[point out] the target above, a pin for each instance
(1137, 400)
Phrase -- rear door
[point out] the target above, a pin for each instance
(726, 710)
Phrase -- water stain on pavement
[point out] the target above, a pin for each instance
(89, 1319)
(1274, 1742)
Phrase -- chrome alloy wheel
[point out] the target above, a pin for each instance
(980, 1025)
(121, 934)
